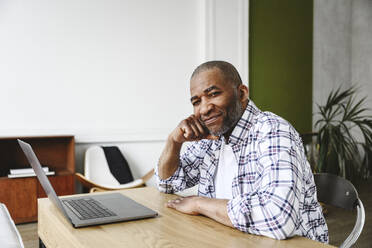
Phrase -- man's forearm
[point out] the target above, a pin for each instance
(169, 159)
(215, 209)
(189, 129)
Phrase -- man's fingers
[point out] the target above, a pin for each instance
(192, 122)
(185, 205)
(187, 132)
(199, 126)
(199, 130)
(173, 203)
(190, 131)
(194, 129)
(203, 130)
(176, 200)
(170, 204)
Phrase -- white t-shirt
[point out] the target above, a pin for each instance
(225, 171)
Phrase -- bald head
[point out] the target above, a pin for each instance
(228, 71)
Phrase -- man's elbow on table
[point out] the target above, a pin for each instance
(284, 228)
(279, 227)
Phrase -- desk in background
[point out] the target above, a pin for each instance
(169, 229)
(20, 194)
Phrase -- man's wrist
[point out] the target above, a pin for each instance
(199, 204)
(174, 143)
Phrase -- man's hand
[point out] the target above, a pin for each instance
(187, 205)
(190, 129)
(194, 205)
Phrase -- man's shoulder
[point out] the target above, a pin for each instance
(269, 122)
(270, 125)
(263, 120)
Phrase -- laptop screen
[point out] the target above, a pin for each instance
(43, 179)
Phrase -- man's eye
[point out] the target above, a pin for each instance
(195, 103)
(215, 93)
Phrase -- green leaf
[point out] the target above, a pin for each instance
(340, 151)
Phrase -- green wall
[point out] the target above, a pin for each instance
(280, 59)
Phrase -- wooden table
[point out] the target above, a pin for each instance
(169, 229)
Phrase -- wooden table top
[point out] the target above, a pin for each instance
(169, 229)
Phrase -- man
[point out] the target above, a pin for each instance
(250, 165)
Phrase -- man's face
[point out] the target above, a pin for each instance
(216, 102)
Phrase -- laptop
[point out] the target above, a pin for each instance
(88, 210)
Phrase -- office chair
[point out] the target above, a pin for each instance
(9, 235)
(339, 192)
(98, 176)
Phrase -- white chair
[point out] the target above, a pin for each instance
(9, 235)
(97, 175)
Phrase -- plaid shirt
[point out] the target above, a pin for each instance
(273, 191)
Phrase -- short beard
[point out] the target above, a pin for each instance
(233, 114)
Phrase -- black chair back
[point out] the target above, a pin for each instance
(336, 191)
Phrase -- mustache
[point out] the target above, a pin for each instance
(203, 118)
(210, 115)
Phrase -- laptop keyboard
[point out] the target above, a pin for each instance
(88, 208)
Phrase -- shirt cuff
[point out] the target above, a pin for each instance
(172, 184)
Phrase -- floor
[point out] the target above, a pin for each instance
(340, 223)
(29, 235)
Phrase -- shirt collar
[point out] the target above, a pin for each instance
(244, 124)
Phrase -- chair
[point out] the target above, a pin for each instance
(339, 192)
(98, 176)
(9, 235)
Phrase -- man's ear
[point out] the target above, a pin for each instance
(243, 92)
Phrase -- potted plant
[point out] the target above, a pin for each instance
(344, 136)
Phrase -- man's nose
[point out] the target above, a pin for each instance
(205, 107)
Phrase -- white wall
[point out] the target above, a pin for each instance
(91, 67)
(227, 33)
(342, 48)
(361, 47)
(332, 48)
(111, 72)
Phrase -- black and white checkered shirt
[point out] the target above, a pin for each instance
(273, 191)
